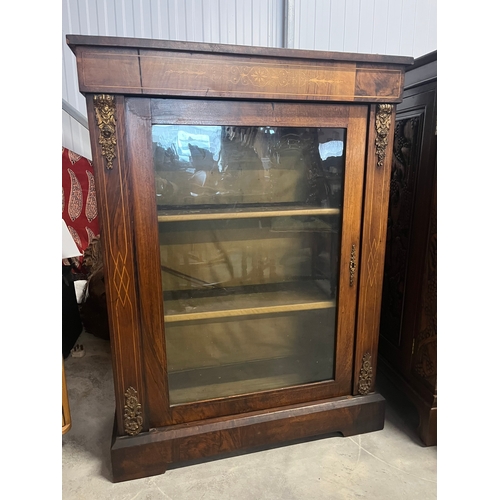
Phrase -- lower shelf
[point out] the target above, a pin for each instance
(151, 453)
(248, 377)
(214, 359)
(286, 297)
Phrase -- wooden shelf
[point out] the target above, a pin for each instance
(292, 297)
(241, 213)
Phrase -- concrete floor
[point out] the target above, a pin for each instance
(388, 465)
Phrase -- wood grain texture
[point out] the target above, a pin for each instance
(354, 118)
(376, 201)
(408, 336)
(407, 150)
(351, 234)
(216, 71)
(151, 454)
(396, 341)
(140, 158)
(372, 83)
(425, 403)
(255, 113)
(66, 413)
(235, 313)
(98, 70)
(191, 412)
(241, 77)
(162, 82)
(194, 47)
(222, 214)
(113, 188)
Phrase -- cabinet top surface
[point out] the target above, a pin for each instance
(215, 48)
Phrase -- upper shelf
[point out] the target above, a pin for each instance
(241, 213)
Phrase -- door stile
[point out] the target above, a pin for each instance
(113, 191)
(376, 203)
(350, 246)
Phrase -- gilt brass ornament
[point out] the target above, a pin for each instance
(105, 108)
(382, 125)
(352, 265)
(132, 414)
(365, 374)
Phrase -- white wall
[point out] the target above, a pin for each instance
(396, 27)
(393, 27)
(242, 22)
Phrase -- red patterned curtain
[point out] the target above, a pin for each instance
(79, 203)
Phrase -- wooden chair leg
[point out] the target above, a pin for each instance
(66, 415)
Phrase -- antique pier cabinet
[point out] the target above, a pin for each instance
(243, 198)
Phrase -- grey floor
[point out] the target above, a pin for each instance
(388, 465)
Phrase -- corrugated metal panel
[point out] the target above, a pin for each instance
(242, 22)
(75, 137)
(393, 27)
(398, 27)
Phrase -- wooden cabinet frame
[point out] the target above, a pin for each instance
(131, 85)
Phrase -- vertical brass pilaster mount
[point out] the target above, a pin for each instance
(105, 109)
(132, 413)
(382, 126)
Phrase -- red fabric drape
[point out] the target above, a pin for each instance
(79, 203)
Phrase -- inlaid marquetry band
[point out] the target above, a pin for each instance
(365, 374)
(182, 73)
(352, 265)
(105, 109)
(382, 125)
(132, 413)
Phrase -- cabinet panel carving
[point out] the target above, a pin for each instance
(406, 153)
(408, 326)
(425, 353)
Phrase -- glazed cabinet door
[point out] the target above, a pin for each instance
(247, 221)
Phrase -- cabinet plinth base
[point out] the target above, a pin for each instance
(151, 453)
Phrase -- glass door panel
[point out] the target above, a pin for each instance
(249, 227)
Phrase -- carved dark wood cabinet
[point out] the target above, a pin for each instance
(408, 326)
(243, 198)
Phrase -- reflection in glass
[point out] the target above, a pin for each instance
(247, 165)
(249, 224)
